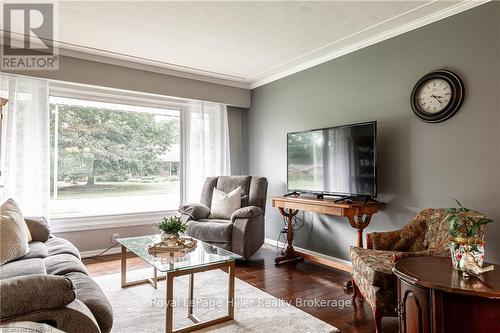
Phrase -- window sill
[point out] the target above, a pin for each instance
(84, 223)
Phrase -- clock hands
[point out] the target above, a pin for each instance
(437, 98)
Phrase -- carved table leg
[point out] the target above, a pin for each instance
(358, 222)
(289, 253)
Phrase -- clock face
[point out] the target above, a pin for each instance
(434, 95)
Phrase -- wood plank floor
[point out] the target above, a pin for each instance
(293, 282)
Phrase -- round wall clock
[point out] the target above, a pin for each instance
(437, 96)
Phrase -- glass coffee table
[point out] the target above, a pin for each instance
(203, 257)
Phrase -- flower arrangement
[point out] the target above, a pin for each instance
(171, 226)
(467, 234)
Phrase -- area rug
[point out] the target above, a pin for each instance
(141, 308)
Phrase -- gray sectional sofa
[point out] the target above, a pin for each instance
(51, 285)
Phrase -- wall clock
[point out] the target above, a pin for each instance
(437, 96)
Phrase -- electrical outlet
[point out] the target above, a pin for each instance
(114, 237)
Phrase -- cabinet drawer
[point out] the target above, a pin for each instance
(333, 211)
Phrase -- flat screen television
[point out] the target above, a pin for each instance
(340, 161)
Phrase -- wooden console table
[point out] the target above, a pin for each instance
(358, 214)
(435, 298)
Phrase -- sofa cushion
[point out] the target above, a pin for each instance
(22, 267)
(57, 245)
(210, 230)
(38, 227)
(36, 250)
(374, 265)
(93, 297)
(61, 264)
(33, 293)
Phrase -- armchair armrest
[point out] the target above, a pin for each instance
(30, 293)
(424, 253)
(409, 238)
(38, 227)
(248, 231)
(195, 211)
(246, 213)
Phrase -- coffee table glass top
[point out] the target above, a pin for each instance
(202, 254)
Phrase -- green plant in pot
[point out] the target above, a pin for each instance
(170, 227)
(466, 229)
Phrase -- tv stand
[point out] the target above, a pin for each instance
(294, 193)
(357, 213)
(352, 198)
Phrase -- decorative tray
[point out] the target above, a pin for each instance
(181, 244)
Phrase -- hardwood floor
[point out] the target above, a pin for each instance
(293, 282)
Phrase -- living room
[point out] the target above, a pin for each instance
(129, 129)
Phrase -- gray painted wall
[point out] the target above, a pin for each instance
(420, 165)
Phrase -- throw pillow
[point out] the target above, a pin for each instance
(224, 204)
(13, 231)
(11, 206)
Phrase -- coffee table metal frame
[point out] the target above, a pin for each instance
(228, 266)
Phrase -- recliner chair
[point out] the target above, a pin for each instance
(244, 232)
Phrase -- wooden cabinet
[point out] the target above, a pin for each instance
(433, 297)
(413, 308)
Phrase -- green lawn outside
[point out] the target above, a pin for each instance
(114, 189)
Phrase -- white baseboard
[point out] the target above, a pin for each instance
(93, 253)
(339, 261)
(268, 241)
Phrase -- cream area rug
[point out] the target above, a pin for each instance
(141, 308)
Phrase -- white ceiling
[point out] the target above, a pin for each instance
(238, 43)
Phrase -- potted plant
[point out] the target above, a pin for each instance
(171, 227)
(467, 234)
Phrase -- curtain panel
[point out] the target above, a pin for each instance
(26, 144)
(206, 142)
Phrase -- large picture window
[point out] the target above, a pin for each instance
(111, 158)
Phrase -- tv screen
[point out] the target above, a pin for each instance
(338, 160)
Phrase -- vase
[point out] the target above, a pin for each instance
(169, 236)
(460, 246)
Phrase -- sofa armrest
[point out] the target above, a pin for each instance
(246, 213)
(194, 211)
(31, 293)
(39, 228)
(410, 238)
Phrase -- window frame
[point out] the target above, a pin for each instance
(108, 95)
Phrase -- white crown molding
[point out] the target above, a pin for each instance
(415, 24)
(151, 66)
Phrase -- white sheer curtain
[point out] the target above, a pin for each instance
(206, 134)
(25, 144)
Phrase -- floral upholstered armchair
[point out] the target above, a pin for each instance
(425, 235)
